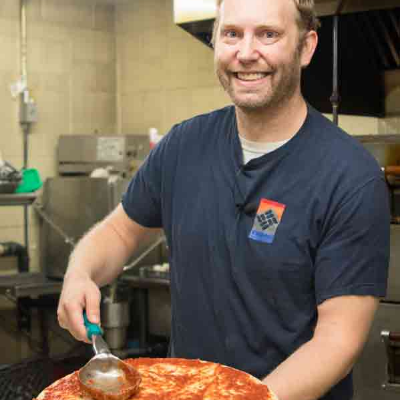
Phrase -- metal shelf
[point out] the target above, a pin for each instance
(28, 284)
(136, 280)
(20, 199)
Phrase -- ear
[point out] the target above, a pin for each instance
(309, 46)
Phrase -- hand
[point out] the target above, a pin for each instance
(79, 293)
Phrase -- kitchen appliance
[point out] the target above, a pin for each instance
(377, 372)
(115, 314)
(72, 205)
(81, 154)
(74, 201)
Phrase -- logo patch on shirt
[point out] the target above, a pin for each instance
(266, 221)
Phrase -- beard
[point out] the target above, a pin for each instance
(281, 88)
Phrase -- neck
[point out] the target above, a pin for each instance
(272, 124)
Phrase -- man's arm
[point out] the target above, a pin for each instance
(342, 329)
(97, 260)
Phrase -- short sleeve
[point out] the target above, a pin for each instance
(142, 199)
(353, 255)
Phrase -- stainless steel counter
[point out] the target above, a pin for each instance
(37, 284)
(145, 279)
(19, 199)
(152, 301)
(28, 285)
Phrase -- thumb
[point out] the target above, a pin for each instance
(93, 308)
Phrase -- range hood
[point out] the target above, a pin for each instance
(368, 45)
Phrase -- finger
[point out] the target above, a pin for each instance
(67, 323)
(61, 316)
(77, 327)
(61, 319)
(93, 307)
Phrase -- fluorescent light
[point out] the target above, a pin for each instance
(194, 10)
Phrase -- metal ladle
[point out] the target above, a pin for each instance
(105, 376)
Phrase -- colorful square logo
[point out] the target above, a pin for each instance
(266, 221)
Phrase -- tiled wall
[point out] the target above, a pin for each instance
(164, 74)
(71, 76)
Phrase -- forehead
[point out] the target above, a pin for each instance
(258, 12)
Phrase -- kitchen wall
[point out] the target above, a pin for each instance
(72, 77)
(164, 74)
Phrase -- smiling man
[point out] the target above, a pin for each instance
(277, 221)
(258, 57)
(260, 49)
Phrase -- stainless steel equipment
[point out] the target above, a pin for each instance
(370, 373)
(392, 343)
(377, 372)
(74, 204)
(115, 315)
(81, 154)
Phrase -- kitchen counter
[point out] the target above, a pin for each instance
(28, 285)
(17, 199)
(146, 278)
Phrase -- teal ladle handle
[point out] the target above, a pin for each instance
(91, 329)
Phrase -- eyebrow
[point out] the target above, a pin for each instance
(228, 25)
(269, 25)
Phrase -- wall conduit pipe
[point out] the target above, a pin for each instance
(16, 249)
(24, 76)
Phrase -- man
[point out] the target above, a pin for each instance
(277, 221)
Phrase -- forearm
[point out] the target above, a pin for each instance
(341, 331)
(100, 254)
(312, 369)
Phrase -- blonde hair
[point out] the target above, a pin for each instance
(307, 18)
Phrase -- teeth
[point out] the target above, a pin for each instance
(250, 76)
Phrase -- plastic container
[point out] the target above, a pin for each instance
(30, 181)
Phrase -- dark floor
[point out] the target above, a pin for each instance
(18, 344)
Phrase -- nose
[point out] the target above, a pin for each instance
(247, 50)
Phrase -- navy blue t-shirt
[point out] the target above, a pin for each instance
(255, 248)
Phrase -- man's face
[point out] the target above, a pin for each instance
(257, 56)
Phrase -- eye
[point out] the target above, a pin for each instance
(231, 34)
(269, 36)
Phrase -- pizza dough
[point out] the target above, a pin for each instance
(175, 379)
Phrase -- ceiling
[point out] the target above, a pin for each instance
(330, 7)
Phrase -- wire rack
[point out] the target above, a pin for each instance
(25, 380)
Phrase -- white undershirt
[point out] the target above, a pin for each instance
(257, 149)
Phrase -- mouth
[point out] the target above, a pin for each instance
(250, 76)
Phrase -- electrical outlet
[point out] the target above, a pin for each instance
(28, 112)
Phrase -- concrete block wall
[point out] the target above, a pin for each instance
(164, 74)
(71, 55)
